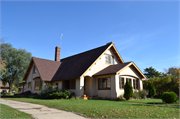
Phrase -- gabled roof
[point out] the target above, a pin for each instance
(74, 66)
(71, 67)
(116, 69)
(112, 69)
(46, 68)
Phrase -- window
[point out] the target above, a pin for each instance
(69, 84)
(29, 84)
(56, 86)
(121, 82)
(109, 59)
(104, 83)
(129, 79)
(37, 85)
(135, 83)
(35, 69)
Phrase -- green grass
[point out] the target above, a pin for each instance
(154, 101)
(108, 109)
(8, 113)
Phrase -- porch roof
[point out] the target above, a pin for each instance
(112, 69)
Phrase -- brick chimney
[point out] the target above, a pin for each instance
(57, 53)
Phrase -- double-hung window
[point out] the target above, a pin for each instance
(104, 83)
(109, 59)
(121, 82)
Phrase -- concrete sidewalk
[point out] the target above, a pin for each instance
(40, 111)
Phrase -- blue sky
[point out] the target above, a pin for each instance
(146, 33)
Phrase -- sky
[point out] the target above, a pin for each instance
(145, 32)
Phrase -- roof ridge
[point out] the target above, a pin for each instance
(85, 52)
(44, 59)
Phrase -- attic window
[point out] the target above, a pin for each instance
(109, 59)
(35, 69)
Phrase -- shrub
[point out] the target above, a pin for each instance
(169, 97)
(151, 89)
(128, 90)
(56, 95)
(120, 98)
(136, 95)
(15, 89)
(143, 93)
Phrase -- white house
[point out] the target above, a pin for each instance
(98, 72)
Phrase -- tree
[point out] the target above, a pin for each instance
(167, 82)
(18, 61)
(151, 89)
(3, 67)
(151, 72)
(128, 90)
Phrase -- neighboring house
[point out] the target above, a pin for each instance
(4, 87)
(98, 72)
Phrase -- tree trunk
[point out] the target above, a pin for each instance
(10, 87)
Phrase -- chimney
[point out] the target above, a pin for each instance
(57, 53)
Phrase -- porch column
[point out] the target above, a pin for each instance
(80, 87)
(93, 86)
(60, 85)
(140, 84)
(114, 86)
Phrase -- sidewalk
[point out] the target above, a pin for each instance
(40, 111)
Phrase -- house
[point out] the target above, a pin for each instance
(4, 87)
(98, 72)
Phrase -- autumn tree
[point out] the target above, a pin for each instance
(18, 60)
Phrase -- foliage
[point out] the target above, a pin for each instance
(167, 82)
(18, 61)
(3, 67)
(151, 89)
(143, 93)
(128, 90)
(108, 109)
(11, 113)
(136, 95)
(15, 89)
(65, 94)
(169, 97)
(151, 72)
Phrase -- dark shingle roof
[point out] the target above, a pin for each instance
(112, 69)
(46, 68)
(74, 66)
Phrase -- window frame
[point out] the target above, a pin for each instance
(34, 69)
(100, 80)
(69, 84)
(121, 82)
(109, 59)
(29, 84)
(35, 83)
(136, 84)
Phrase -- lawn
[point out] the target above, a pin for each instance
(9, 113)
(154, 101)
(108, 109)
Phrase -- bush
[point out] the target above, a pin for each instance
(15, 89)
(55, 95)
(136, 95)
(143, 93)
(128, 90)
(151, 89)
(169, 97)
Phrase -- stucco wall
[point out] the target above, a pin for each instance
(101, 63)
(30, 79)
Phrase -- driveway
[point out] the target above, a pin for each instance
(40, 111)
